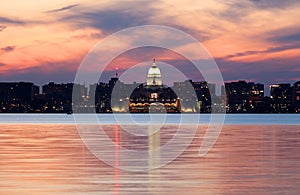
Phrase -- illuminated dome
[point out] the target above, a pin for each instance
(154, 76)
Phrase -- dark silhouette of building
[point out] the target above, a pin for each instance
(296, 97)
(59, 96)
(258, 102)
(16, 96)
(187, 96)
(204, 91)
(238, 96)
(243, 97)
(281, 98)
(103, 93)
(115, 96)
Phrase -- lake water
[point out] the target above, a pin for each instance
(261, 119)
(248, 158)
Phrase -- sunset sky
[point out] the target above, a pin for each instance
(253, 40)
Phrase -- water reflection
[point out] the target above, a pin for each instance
(153, 146)
(154, 157)
(117, 185)
(51, 159)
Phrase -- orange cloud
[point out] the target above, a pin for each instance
(47, 32)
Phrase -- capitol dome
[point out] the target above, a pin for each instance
(154, 76)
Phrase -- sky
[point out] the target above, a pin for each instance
(252, 40)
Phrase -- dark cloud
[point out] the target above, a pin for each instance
(236, 11)
(7, 49)
(44, 73)
(108, 20)
(87, 36)
(62, 9)
(2, 27)
(288, 38)
(11, 21)
(269, 50)
(270, 4)
(113, 17)
(285, 35)
(117, 16)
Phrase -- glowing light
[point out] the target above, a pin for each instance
(117, 185)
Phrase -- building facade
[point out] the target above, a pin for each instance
(154, 76)
(296, 97)
(281, 98)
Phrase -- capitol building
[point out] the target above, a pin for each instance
(153, 95)
(154, 76)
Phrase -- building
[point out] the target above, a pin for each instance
(281, 98)
(243, 97)
(16, 96)
(154, 77)
(238, 96)
(154, 96)
(185, 96)
(256, 89)
(204, 91)
(59, 97)
(141, 98)
(296, 97)
(258, 103)
(100, 92)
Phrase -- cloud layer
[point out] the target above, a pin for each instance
(62, 9)
(256, 40)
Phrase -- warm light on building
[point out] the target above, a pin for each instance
(154, 76)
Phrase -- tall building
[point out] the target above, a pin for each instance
(281, 98)
(154, 76)
(204, 91)
(59, 97)
(238, 95)
(100, 92)
(245, 97)
(187, 96)
(16, 96)
(258, 103)
(296, 97)
(256, 89)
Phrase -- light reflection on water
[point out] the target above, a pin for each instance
(51, 159)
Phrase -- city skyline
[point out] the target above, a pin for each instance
(182, 96)
(252, 40)
(116, 96)
(106, 81)
(266, 86)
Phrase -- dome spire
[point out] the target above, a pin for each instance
(117, 68)
(153, 62)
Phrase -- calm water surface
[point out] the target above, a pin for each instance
(247, 159)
